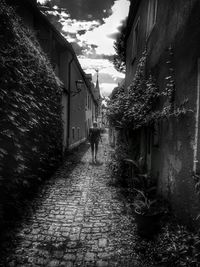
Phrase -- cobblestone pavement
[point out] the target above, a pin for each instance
(79, 220)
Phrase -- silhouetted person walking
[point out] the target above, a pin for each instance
(94, 137)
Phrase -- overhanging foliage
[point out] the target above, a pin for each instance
(139, 105)
(119, 59)
(30, 108)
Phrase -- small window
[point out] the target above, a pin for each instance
(135, 40)
(73, 133)
(78, 133)
(152, 14)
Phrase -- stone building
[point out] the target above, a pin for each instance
(78, 98)
(169, 31)
(91, 106)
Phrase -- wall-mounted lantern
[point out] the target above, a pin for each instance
(79, 84)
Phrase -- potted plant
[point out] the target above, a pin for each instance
(148, 212)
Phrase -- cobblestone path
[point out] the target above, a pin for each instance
(78, 220)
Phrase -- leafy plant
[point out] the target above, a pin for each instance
(137, 106)
(30, 108)
(119, 60)
(143, 205)
(116, 165)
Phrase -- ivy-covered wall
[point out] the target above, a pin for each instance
(173, 52)
(30, 112)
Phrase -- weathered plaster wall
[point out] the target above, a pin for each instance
(77, 107)
(177, 26)
(130, 65)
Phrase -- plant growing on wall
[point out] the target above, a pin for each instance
(134, 108)
(116, 106)
(119, 59)
(138, 107)
(30, 108)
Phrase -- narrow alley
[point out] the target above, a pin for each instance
(78, 220)
(72, 70)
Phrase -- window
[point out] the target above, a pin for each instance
(152, 13)
(135, 40)
(78, 133)
(73, 133)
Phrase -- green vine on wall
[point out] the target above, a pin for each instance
(30, 109)
(137, 106)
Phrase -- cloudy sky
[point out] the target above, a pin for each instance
(91, 26)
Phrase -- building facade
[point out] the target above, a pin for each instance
(82, 105)
(91, 104)
(78, 100)
(169, 32)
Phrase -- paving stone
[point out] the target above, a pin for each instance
(90, 256)
(102, 264)
(103, 242)
(53, 263)
(79, 221)
(69, 264)
(41, 261)
(58, 254)
(69, 257)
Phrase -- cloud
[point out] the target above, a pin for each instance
(108, 76)
(102, 36)
(86, 9)
(86, 33)
(43, 1)
(93, 37)
(106, 88)
(103, 65)
(74, 26)
(71, 29)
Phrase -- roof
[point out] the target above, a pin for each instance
(61, 39)
(131, 16)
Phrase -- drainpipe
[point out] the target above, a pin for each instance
(69, 99)
(195, 161)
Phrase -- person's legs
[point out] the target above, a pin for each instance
(92, 150)
(96, 149)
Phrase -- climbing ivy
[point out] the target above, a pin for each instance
(137, 106)
(30, 108)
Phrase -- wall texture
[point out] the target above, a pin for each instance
(172, 158)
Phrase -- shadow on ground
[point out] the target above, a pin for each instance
(13, 223)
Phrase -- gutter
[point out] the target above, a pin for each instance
(195, 155)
